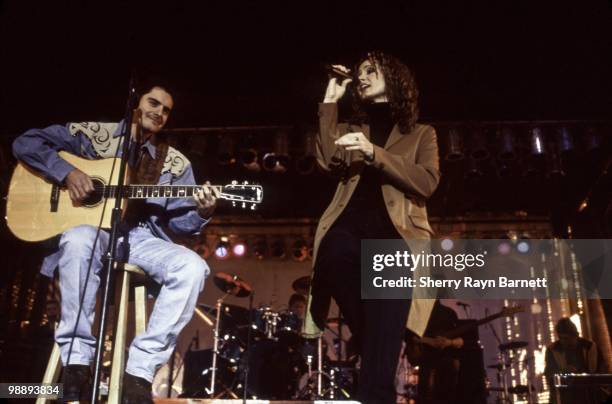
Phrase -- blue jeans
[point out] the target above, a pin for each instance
(180, 272)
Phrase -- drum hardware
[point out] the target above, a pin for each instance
(279, 355)
(230, 285)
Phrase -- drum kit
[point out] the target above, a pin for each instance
(259, 353)
(503, 367)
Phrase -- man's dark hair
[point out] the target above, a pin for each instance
(565, 326)
(401, 89)
(147, 81)
(295, 298)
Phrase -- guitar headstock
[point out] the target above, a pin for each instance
(243, 194)
(511, 311)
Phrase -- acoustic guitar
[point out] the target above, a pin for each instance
(38, 209)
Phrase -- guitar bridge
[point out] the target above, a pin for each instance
(54, 200)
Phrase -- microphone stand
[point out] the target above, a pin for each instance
(109, 257)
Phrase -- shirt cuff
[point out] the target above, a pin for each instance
(60, 170)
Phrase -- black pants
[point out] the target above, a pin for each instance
(377, 325)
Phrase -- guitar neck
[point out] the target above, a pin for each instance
(136, 191)
(464, 328)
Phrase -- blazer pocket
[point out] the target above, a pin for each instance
(421, 223)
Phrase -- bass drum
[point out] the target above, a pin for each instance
(274, 370)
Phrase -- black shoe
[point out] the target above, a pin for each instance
(136, 390)
(77, 383)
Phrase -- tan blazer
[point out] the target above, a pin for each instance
(410, 163)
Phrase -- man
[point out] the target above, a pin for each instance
(179, 271)
(389, 167)
(439, 367)
(570, 354)
(297, 305)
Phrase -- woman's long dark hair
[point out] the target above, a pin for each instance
(401, 90)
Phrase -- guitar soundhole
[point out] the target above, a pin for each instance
(95, 197)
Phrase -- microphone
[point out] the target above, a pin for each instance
(461, 304)
(337, 73)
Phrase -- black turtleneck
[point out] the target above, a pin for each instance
(367, 204)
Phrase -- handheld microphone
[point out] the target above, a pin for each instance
(335, 72)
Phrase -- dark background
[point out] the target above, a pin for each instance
(261, 63)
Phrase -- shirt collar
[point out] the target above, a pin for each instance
(146, 145)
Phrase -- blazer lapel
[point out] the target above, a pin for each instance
(394, 137)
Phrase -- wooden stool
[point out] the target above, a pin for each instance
(129, 276)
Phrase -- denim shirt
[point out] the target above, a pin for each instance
(94, 140)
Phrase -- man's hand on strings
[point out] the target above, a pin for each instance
(356, 141)
(79, 185)
(206, 199)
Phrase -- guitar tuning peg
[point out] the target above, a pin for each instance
(246, 183)
(233, 203)
(252, 206)
(243, 205)
(234, 182)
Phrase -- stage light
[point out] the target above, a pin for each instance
(299, 250)
(447, 244)
(523, 246)
(239, 249)
(225, 151)
(222, 249)
(575, 319)
(506, 144)
(536, 141)
(278, 160)
(565, 141)
(454, 145)
(536, 308)
(504, 248)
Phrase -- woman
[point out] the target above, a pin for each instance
(389, 167)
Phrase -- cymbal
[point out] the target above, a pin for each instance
(513, 345)
(301, 285)
(232, 284)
